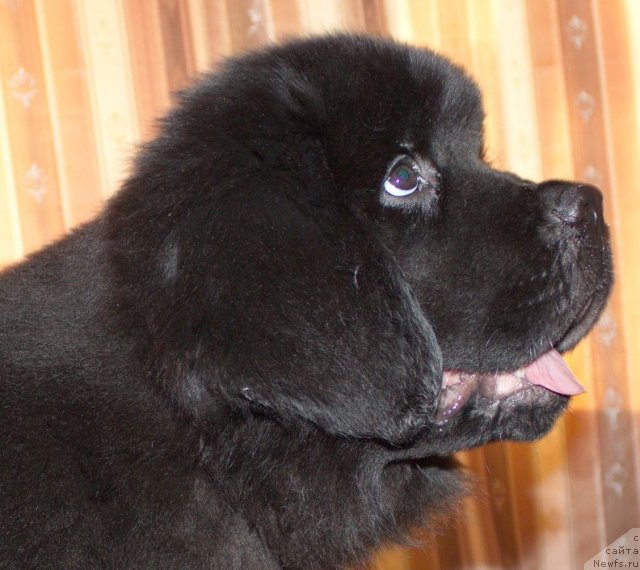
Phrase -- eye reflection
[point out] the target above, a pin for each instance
(402, 180)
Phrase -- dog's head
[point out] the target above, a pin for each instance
(315, 235)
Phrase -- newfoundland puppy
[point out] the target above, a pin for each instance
(310, 292)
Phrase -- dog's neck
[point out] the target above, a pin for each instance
(279, 478)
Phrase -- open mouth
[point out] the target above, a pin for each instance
(549, 371)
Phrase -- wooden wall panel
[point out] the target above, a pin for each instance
(70, 116)
(83, 81)
(11, 246)
(29, 128)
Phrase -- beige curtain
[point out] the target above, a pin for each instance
(81, 82)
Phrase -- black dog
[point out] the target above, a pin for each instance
(239, 363)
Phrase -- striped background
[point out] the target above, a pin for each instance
(82, 80)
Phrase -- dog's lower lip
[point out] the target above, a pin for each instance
(548, 372)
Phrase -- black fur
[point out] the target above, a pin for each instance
(238, 363)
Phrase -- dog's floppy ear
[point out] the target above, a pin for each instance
(258, 287)
(304, 314)
(327, 329)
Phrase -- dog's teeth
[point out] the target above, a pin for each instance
(520, 374)
(506, 384)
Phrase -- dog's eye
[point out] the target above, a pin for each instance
(402, 180)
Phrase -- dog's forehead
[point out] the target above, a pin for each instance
(374, 68)
(409, 96)
(445, 106)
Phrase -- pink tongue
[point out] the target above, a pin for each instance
(552, 372)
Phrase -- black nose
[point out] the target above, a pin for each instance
(575, 205)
